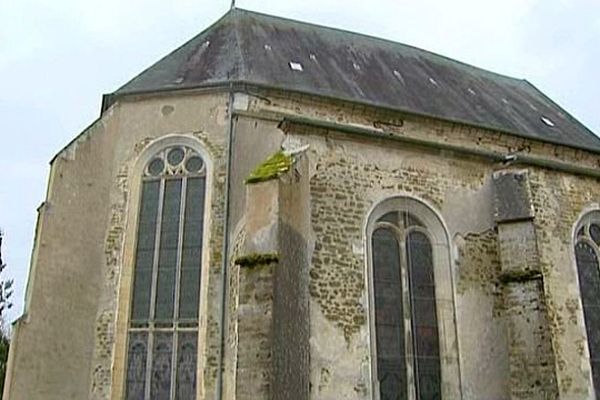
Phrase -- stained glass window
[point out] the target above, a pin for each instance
(406, 328)
(588, 270)
(163, 331)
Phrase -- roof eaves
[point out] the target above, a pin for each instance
(243, 85)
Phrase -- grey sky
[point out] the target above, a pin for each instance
(57, 59)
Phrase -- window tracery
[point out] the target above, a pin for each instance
(405, 316)
(163, 323)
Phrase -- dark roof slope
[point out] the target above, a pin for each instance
(253, 48)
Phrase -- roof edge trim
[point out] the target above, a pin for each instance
(243, 85)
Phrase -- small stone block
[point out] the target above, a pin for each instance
(512, 196)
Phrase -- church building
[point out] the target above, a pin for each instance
(283, 211)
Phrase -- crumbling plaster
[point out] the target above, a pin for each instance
(348, 173)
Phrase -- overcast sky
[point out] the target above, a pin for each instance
(58, 57)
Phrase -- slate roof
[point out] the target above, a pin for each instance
(252, 48)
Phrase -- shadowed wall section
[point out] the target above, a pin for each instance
(273, 312)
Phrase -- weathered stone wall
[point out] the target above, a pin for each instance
(531, 359)
(53, 342)
(203, 119)
(559, 201)
(72, 339)
(349, 175)
(255, 371)
(272, 313)
(81, 268)
(349, 179)
(291, 350)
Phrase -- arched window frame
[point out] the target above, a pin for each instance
(436, 231)
(136, 168)
(581, 234)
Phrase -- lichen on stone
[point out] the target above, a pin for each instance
(271, 168)
(255, 259)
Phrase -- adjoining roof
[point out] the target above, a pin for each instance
(253, 48)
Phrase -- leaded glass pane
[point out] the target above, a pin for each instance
(175, 156)
(194, 164)
(428, 379)
(595, 233)
(169, 242)
(160, 385)
(391, 217)
(187, 348)
(424, 317)
(589, 283)
(410, 220)
(192, 249)
(596, 375)
(145, 251)
(156, 167)
(136, 366)
(389, 327)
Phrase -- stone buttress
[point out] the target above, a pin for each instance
(531, 359)
(272, 315)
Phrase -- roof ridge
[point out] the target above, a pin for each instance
(238, 43)
(376, 39)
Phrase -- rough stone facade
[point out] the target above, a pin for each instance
(298, 326)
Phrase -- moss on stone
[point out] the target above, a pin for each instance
(520, 276)
(252, 260)
(271, 168)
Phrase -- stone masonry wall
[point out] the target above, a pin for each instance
(54, 339)
(559, 201)
(344, 186)
(349, 175)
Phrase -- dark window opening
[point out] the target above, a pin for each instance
(163, 331)
(406, 326)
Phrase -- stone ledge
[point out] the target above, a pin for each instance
(255, 259)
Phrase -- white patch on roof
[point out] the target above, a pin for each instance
(398, 75)
(548, 121)
(296, 66)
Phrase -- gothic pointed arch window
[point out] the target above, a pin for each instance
(411, 300)
(164, 309)
(587, 254)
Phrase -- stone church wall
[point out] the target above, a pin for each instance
(51, 341)
(75, 326)
(205, 120)
(84, 245)
(349, 175)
